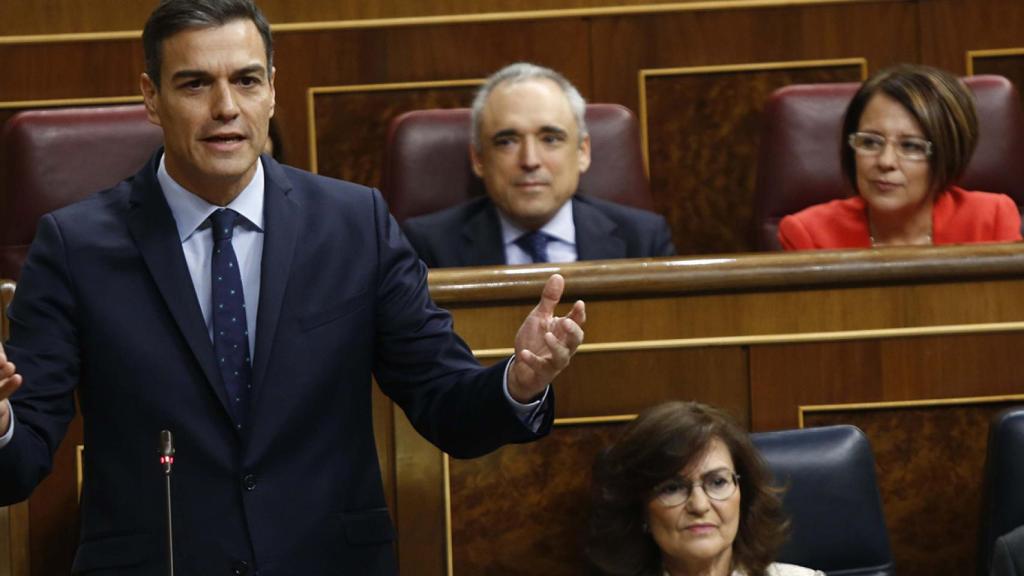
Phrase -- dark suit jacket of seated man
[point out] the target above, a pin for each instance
(470, 234)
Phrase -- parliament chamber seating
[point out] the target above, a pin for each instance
(52, 157)
(832, 499)
(1003, 508)
(798, 164)
(427, 166)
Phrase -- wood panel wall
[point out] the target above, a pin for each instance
(699, 69)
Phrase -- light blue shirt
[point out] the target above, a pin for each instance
(561, 232)
(191, 215)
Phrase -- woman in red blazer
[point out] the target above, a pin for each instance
(910, 132)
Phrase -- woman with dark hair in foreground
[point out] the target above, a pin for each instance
(684, 492)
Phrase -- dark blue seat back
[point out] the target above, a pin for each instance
(832, 498)
(1003, 508)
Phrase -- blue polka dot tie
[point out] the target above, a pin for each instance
(535, 244)
(230, 330)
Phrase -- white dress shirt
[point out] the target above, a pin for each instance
(561, 233)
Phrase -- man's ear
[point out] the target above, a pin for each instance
(149, 97)
(584, 154)
(273, 93)
(474, 157)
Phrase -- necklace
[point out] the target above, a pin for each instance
(928, 242)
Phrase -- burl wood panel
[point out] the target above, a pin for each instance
(703, 132)
(896, 369)
(930, 464)
(351, 148)
(523, 509)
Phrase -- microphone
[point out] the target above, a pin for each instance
(166, 451)
(167, 461)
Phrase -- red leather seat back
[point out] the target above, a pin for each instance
(428, 168)
(51, 158)
(800, 146)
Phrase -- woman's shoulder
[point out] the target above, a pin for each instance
(780, 569)
(977, 197)
(834, 224)
(852, 204)
(962, 216)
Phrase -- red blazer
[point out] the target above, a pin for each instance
(958, 217)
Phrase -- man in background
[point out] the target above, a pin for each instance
(530, 145)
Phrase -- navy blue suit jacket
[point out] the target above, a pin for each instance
(470, 234)
(105, 306)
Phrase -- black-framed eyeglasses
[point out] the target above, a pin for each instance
(717, 485)
(908, 148)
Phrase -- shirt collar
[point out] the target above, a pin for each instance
(190, 211)
(561, 227)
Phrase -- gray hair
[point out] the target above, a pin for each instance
(522, 72)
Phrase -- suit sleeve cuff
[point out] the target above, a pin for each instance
(531, 415)
(6, 438)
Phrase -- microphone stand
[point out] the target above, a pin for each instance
(167, 460)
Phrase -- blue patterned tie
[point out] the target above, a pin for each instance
(230, 330)
(535, 244)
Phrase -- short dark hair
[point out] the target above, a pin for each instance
(941, 104)
(173, 16)
(662, 441)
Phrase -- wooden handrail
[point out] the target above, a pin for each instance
(732, 272)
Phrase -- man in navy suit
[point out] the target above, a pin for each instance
(148, 298)
(530, 145)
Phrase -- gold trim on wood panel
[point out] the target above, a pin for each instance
(313, 91)
(79, 466)
(641, 9)
(586, 420)
(449, 548)
(791, 338)
(971, 55)
(645, 73)
(449, 551)
(61, 102)
(897, 404)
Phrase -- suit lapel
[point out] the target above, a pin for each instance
(482, 244)
(281, 217)
(152, 227)
(595, 233)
